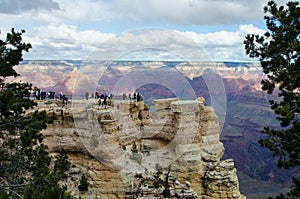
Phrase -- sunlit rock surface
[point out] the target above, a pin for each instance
(126, 151)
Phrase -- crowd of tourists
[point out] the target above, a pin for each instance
(103, 99)
(135, 96)
(43, 95)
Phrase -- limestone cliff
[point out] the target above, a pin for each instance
(129, 151)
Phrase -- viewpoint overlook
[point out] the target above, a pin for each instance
(125, 151)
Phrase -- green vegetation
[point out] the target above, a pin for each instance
(135, 155)
(159, 182)
(278, 52)
(83, 186)
(25, 170)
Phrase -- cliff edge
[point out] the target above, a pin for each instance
(128, 151)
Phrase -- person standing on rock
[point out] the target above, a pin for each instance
(97, 95)
(37, 94)
(100, 102)
(63, 99)
(105, 100)
(138, 97)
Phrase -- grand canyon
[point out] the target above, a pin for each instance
(231, 88)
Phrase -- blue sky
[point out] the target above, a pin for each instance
(75, 29)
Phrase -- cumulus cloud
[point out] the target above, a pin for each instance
(182, 12)
(63, 42)
(49, 31)
(197, 12)
(225, 45)
(18, 6)
(67, 42)
(86, 10)
(150, 44)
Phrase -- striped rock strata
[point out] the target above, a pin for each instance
(129, 151)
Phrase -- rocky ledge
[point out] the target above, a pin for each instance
(128, 151)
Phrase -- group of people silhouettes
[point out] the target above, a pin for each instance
(64, 98)
(104, 99)
(42, 95)
(135, 96)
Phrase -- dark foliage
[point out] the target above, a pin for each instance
(83, 186)
(25, 170)
(278, 52)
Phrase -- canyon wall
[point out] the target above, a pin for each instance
(128, 151)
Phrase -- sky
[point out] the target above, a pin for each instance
(211, 30)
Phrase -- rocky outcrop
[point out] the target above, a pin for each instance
(129, 151)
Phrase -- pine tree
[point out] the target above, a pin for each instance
(25, 170)
(278, 52)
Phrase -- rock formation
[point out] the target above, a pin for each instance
(129, 151)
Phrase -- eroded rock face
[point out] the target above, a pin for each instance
(126, 151)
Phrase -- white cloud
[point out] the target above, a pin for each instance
(141, 12)
(183, 12)
(180, 12)
(225, 45)
(49, 30)
(150, 44)
(67, 42)
(250, 29)
(85, 10)
(63, 42)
